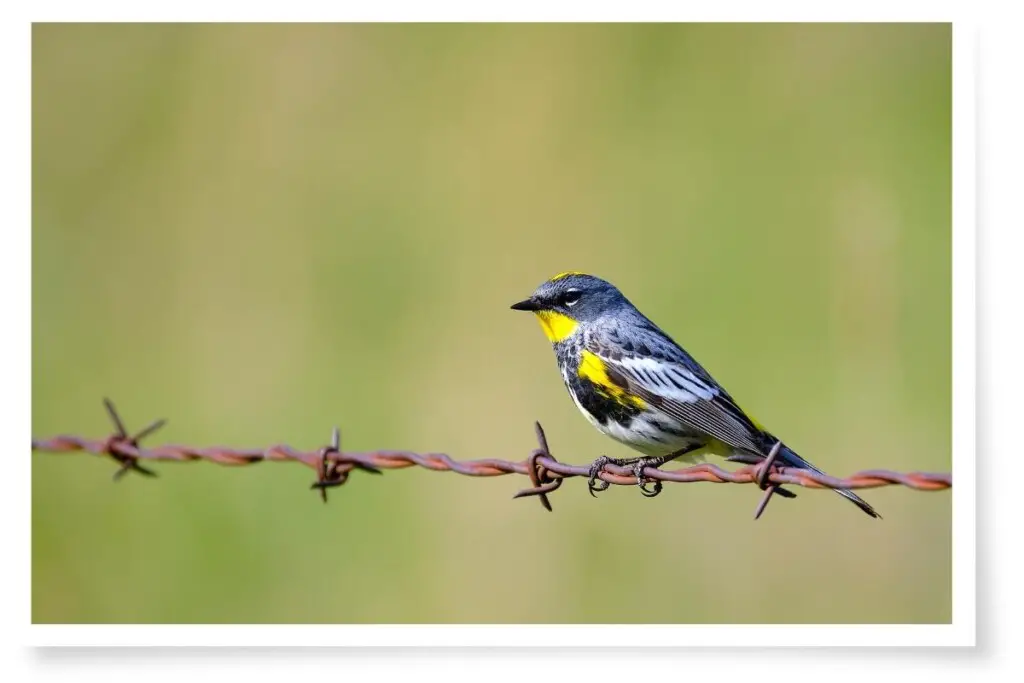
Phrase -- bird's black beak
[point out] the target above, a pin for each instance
(530, 304)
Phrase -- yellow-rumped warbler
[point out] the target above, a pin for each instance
(639, 387)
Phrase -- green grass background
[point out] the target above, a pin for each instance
(261, 231)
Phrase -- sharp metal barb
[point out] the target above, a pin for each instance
(149, 429)
(539, 477)
(115, 418)
(768, 492)
(763, 470)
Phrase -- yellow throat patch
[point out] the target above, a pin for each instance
(557, 327)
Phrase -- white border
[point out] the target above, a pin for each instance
(960, 632)
(493, 635)
(964, 330)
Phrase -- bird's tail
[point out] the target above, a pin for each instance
(788, 457)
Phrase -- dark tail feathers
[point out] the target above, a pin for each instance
(788, 457)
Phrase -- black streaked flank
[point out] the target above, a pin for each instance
(593, 398)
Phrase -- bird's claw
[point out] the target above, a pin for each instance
(650, 492)
(641, 480)
(595, 484)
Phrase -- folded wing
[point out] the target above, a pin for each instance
(685, 394)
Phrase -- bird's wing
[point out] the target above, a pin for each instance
(670, 381)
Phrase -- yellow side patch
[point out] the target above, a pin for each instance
(557, 327)
(716, 447)
(566, 274)
(592, 368)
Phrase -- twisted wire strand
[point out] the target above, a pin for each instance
(333, 465)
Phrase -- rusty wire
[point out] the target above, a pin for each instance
(333, 466)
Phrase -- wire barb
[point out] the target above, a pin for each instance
(332, 470)
(546, 474)
(125, 449)
(763, 470)
(328, 474)
(543, 484)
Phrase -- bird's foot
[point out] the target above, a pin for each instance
(596, 484)
(641, 481)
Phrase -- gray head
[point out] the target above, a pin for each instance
(571, 298)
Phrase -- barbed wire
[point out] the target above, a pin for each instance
(333, 466)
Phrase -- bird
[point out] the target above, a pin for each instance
(636, 385)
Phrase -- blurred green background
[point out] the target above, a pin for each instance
(261, 231)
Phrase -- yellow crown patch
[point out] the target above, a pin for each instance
(566, 274)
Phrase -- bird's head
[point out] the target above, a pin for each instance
(568, 299)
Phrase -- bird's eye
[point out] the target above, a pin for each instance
(571, 297)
